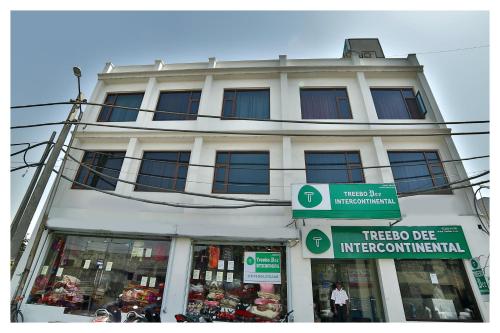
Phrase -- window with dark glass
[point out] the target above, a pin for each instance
(253, 104)
(183, 105)
(436, 290)
(392, 103)
(166, 170)
(116, 114)
(106, 162)
(325, 103)
(86, 273)
(334, 167)
(219, 283)
(241, 172)
(418, 171)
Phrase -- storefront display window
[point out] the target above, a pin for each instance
(358, 278)
(238, 283)
(83, 274)
(436, 290)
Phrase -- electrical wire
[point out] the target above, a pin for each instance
(441, 51)
(478, 214)
(171, 130)
(31, 147)
(127, 108)
(396, 164)
(169, 190)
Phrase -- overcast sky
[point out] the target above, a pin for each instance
(46, 45)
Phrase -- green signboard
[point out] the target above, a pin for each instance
(262, 267)
(345, 201)
(433, 242)
(479, 276)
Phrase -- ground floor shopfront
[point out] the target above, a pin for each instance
(244, 279)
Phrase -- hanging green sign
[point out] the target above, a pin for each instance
(345, 201)
(262, 267)
(484, 289)
(433, 242)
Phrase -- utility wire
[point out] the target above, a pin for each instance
(477, 212)
(169, 190)
(396, 164)
(442, 51)
(31, 147)
(127, 108)
(247, 133)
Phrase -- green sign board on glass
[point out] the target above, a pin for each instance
(262, 267)
(345, 201)
(433, 242)
(479, 276)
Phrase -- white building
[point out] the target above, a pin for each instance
(99, 246)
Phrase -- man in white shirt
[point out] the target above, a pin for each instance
(340, 302)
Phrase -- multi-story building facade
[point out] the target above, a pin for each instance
(98, 247)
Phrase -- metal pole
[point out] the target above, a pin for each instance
(34, 200)
(24, 202)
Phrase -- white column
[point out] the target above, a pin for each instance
(205, 95)
(364, 88)
(389, 288)
(194, 171)
(177, 280)
(130, 167)
(287, 163)
(149, 101)
(300, 285)
(382, 159)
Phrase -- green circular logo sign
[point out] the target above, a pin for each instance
(309, 197)
(317, 242)
(474, 263)
(250, 261)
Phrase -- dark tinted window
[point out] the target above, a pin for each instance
(183, 104)
(334, 167)
(106, 162)
(328, 103)
(115, 113)
(253, 104)
(241, 172)
(396, 104)
(417, 171)
(167, 170)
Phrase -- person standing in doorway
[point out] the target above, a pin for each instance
(340, 302)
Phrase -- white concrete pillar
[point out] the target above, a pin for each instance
(382, 159)
(177, 280)
(149, 101)
(300, 285)
(389, 288)
(205, 96)
(91, 112)
(364, 88)
(130, 168)
(194, 171)
(287, 163)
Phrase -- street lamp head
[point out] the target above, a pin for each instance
(77, 72)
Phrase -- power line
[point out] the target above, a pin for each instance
(248, 133)
(127, 108)
(30, 147)
(442, 51)
(403, 163)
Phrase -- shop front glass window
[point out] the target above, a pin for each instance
(220, 284)
(83, 274)
(436, 290)
(360, 281)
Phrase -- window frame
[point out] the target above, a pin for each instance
(191, 100)
(345, 152)
(75, 186)
(179, 152)
(336, 101)
(424, 151)
(233, 104)
(228, 166)
(114, 101)
(400, 89)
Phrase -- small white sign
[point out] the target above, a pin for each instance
(152, 282)
(220, 265)
(86, 264)
(59, 271)
(109, 265)
(208, 276)
(148, 252)
(44, 270)
(229, 277)
(230, 265)
(144, 281)
(220, 276)
(196, 274)
(434, 278)
(137, 252)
